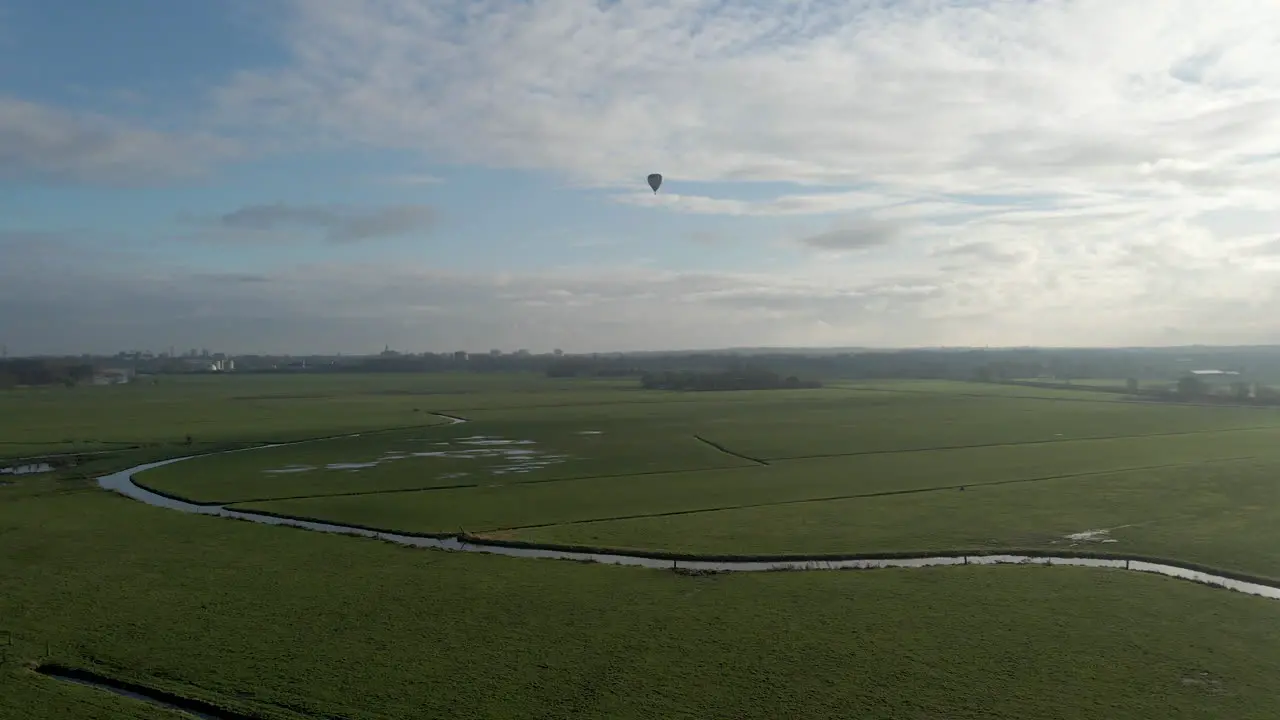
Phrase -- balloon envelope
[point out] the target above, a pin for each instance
(655, 181)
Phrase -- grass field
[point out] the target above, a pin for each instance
(284, 623)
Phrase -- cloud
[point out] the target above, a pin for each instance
(412, 179)
(797, 204)
(1038, 157)
(916, 94)
(1268, 248)
(984, 251)
(1083, 172)
(65, 294)
(43, 144)
(863, 236)
(339, 224)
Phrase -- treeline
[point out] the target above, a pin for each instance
(1000, 365)
(41, 371)
(1188, 388)
(587, 367)
(742, 379)
(945, 364)
(441, 362)
(993, 365)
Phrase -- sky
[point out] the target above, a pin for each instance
(299, 176)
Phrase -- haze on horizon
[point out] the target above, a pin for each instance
(337, 175)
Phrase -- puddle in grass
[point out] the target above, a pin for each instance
(291, 469)
(1097, 536)
(513, 455)
(1101, 535)
(28, 469)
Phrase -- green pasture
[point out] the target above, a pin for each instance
(288, 624)
(1219, 514)
(504, 507)
(478, 454)
(283, 623)
(220, 408)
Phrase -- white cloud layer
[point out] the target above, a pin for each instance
(62, 296)
(46, 144)
(338, 223)
(1004, 172)
(1066, 95)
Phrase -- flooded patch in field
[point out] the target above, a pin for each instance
(290, 469)
(513, 456)
(1204, 681)
(529, 464)
(1093, 536)
(350, 465)
(485, 440)
(590, 432)
(28, 469)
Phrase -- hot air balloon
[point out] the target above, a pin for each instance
(655, 182)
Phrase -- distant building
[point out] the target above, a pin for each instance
(112, 376)
(1220, 381)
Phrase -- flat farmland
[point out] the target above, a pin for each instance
(483, 454)
(928, 467)
(260, 408)
(291, 625)
(282, 623)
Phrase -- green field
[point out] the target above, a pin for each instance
(283, 623)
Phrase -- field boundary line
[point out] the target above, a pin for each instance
(883, 493)
(706, 396)
(985, 396)
(727, 451)
(358, 493)
(134, 691)
(1051, 441)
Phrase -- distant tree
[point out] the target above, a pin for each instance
(1240, 390)
(739, 377)
(1131, 385)
(1192, 386)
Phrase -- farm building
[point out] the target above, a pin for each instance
(112, 376)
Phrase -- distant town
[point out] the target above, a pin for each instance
(1237, 374)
